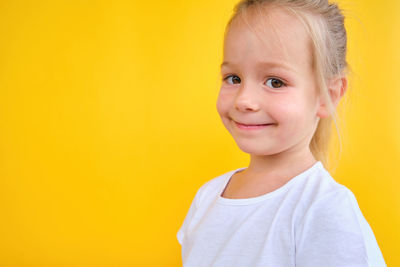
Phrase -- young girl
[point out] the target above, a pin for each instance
(283, 74)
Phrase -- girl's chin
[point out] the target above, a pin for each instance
(256, 149)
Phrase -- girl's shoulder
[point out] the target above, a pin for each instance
(321, 184)
(333, 224)
(212, 187)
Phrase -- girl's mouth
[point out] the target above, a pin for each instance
(252, 127)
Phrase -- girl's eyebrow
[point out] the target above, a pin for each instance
(270, 64)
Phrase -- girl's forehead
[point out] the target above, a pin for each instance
(273, 23)
(276, 33)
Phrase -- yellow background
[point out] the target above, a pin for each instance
(108, 126)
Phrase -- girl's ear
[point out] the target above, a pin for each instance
(337, 87)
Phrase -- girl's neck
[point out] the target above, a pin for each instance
(277, 165)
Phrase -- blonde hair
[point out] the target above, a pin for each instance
(325, 25)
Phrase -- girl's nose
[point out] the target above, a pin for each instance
(247, 99)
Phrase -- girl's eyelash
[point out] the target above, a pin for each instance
(227, 76)
(283, 83)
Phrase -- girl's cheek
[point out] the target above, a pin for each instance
(225, 97)
(222, 103)
(287, 102)
(225, 91)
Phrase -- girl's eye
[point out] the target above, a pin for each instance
(232, 76)
(275, 83)
(272, 82)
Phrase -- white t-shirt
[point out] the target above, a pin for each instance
(310, 221)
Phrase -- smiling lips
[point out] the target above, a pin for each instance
(251, 126)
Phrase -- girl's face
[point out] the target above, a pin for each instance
(267, 78)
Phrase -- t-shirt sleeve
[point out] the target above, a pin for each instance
(188, 218)
(334, 232)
